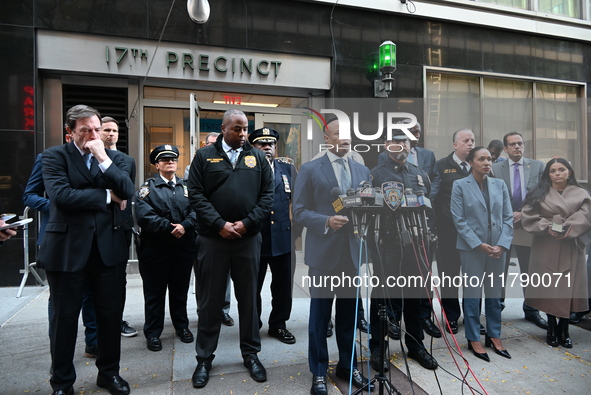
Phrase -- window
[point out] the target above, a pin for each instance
(549, 114)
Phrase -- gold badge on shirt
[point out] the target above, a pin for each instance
(250, 161)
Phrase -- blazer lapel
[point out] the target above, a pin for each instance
(527, 173)
(473, 186)
(78, 161)
(326, 169)
(505, 175)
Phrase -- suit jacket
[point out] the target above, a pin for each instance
(277, 230)
(79, 210)
(34, 196)
(312, 205)
(447, 171)
(471, 216)
(533, 170)
(124, 218)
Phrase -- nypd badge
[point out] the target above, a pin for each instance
(143, 192)
(185, 191)
(393, 194)
(250, 161)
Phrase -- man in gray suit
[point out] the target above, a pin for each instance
(521, 175)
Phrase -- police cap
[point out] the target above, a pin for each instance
(263, 135)
(163, 151)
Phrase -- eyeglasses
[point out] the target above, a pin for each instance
(518, 144)
(168, 160)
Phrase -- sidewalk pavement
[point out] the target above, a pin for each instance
(535, 368)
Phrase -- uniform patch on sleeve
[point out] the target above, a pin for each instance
(143, 192)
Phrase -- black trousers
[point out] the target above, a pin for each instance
(448, 261)
(320, 312)
(282, 271)
(217, 257)
(163, 267)
(67, 290)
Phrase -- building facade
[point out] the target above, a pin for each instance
(492, 65)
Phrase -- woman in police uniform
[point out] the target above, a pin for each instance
(167, 246)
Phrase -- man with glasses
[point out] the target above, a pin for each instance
(521, 175)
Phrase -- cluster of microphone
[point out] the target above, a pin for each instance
(367, 202)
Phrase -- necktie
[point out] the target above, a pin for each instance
(464, 167)
(345, 177)
(412, 157)
(171, 183)
(88, 160)
(233, 157)
(516, 198)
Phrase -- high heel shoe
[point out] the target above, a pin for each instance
(483, 356)
(503, 353)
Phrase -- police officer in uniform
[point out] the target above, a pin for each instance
(278, 249)
(167, 246)
(398, 259)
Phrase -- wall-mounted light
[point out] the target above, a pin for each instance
(198, 10)
(387, 64)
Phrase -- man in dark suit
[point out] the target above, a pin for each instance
(124, 219)
(278, 247)
(331, 250)
(521, 175)
(86, 184)
(448, 169)
(34, 197)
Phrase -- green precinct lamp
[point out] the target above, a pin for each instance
(387, 64)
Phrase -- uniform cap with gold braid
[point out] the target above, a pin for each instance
(163, 151)
(263, 135)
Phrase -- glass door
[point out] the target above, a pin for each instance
(289, 128)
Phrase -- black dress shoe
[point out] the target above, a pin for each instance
(227, 320)
(90, 352)
(375, 362)
(201, 374)
(483, 356)
(482, 330)
(362, 325)
(283, 335)
(425, 359)
(454, 327)
(356, 378)
(430, 328)
(329, 331)
(576, 318)
(114, 384)
(537, 319)
(69, 391)
(318, 386)
(394, 330)
(154, 344)
(185, 335)
(256, 368)
(503, 353)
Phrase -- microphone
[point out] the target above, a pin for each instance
(337, 204)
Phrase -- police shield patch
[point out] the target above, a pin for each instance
(143, 192)
(393, 194)
(250, 161)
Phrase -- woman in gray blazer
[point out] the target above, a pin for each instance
(482, 214)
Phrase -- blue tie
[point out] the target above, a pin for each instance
(233, 157)
(517, 199)
(345, 177)
(88, 160)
